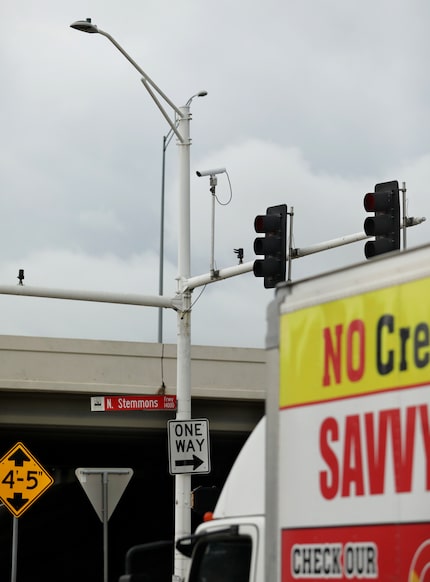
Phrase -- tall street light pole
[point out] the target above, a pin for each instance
(181, 128)
(166, 140)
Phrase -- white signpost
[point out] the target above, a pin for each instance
(189, 446)
(104, 488)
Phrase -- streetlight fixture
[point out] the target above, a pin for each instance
(180, 126)
(166, 140)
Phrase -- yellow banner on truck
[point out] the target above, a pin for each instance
(357, 345)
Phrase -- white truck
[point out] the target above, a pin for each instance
(335, 483)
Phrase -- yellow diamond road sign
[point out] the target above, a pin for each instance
(22, 479)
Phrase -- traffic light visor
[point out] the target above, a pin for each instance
(379, 201)
(369, 202)
(267, 222)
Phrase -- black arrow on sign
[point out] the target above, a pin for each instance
(195, 462)
(17, 501)
(19, 457)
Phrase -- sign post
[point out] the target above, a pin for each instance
(104, 488)
(14, 549)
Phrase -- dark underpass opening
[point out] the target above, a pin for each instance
(60, 536)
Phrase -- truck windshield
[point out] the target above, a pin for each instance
(222, 560)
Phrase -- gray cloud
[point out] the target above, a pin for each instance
(308, 103)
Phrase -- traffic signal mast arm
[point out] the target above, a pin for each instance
(295, 253)
(190, 284)
(344, 240)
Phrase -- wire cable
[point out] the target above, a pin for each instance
(231, 194)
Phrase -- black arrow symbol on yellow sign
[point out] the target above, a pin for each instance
(17, 501)
(19, 457)
(195, 462)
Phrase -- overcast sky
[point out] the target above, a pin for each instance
(310, 103)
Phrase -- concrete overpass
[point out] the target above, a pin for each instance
(45, 389)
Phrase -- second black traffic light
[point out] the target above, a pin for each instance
(385, 224)
(273, 245)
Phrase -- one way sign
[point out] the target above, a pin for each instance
(189, 446)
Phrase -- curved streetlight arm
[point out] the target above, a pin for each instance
(163, 111)
(88, 26)
(141, 71)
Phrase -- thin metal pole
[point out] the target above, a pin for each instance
(14, 549)
(405, 219)
(105, 479)
(213, 182)
(290, 242)
(161, 267)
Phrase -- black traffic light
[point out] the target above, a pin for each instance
(273, 245)
(385, 225)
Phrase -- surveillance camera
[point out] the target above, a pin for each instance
(210, 172)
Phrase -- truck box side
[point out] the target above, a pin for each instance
(350, 415)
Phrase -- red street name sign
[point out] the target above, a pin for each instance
(132, 403)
